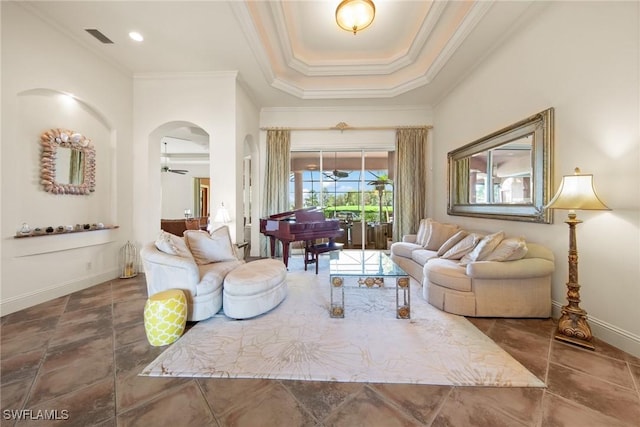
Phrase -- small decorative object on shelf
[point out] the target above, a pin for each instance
(128, 261)
(24, 229)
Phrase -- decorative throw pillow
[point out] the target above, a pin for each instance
(172, 245)
(463, 247)
(453, 240)
(423, 232)
(438, 234)
(484, 248)
(207, 248)
(509, 249)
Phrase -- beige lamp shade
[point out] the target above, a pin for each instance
(355, 15)
(576, 192)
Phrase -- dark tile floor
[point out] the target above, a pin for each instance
(80, 355)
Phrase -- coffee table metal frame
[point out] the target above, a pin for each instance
(371, 268)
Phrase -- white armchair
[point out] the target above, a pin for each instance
(201, 282)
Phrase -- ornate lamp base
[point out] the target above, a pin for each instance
(572, 325)
(574, 329)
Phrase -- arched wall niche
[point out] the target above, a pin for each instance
(40, 109)
(88, 107)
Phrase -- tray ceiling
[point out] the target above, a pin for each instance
(292, 53)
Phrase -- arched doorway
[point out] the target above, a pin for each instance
(250, 194)
(179, 163)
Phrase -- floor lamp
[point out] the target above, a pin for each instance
(575, 192)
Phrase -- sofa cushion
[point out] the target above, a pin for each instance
(212, 275)
(448, 274)
(484, 248)
(207, 248)
(423, 231)
(172, 245)
(463, 247)
(421, 256)
(536, 250)
(404, 249)
(409, 238)
(510, 249)
(453, 240)
(438, 234)
(255, 278)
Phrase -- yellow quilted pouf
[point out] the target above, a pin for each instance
(165, 315)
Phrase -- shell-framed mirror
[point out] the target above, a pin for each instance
(67, 162)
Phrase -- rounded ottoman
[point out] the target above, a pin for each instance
(165, 316)
(254, 288)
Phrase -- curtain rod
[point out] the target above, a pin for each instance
(342, 126)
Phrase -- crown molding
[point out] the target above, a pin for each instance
(186, 75)
(241, 11)
(342, 109)
(269, 35)
(470, 21)
(352, 67)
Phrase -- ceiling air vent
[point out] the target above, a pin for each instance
(97, 34)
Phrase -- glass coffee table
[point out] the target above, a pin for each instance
(370, 269)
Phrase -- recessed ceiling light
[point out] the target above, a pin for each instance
(134, 35)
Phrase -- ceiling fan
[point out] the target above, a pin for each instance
(336, 174)
(165, 167)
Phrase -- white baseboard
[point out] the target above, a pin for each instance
(20, 302)
(611, 334)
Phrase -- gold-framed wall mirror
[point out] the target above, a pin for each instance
(505, 175)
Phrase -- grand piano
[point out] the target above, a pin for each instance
(298, 225)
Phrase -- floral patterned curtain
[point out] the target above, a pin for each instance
(409, 205)
(462, 181)
(276, 192)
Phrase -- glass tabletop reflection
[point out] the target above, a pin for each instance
(364, 263)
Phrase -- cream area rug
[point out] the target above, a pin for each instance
(298, 340)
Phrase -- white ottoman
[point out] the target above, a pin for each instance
(254, 288)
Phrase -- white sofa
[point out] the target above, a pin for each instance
(478, 287)
(198, 269)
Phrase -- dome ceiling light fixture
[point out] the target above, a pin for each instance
(355, 15)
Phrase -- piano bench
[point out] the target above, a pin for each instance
(311, 251)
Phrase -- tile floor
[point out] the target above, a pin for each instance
(80, 355)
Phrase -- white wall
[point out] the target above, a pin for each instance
(582, 58)
(356, 117)
(177, 190)
(247, 137)
(205, 100)
(38, 64)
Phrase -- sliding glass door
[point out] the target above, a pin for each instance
(355, 187)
